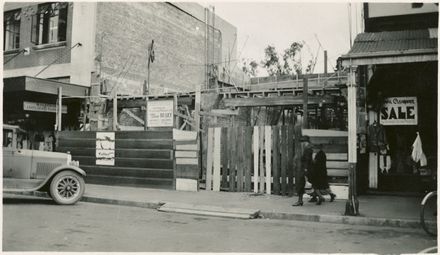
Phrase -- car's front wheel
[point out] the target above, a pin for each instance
(67, 187)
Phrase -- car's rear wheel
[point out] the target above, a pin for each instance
(67, 187)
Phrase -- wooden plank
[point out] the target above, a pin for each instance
(128, 171)
(216, 160)
(335, 156)
(335, 148)
(284, 160)
(209, 158)
(337, 172)
(262, 169)
(232, 161)
(256, 146)
(328, 140)
(144, 144)
(187, 161)
(274, 101)
(276, 158)
(324, 133)
(130, 162)
(337, 164)
(224, 156)
(181, 135)
(187, 171)
(290, 166)
(124, 153)
(248, 158)
(186, 147)
(240, 159)
(268, 148)
(144, 134)
(185, 154)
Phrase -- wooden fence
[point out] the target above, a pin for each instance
(140, 158)
(261, 159)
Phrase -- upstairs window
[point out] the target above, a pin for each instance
(49, 24)
(11, 30)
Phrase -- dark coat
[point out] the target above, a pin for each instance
(318, 176)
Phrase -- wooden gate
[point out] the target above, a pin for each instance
(140, 158)
(261, 159)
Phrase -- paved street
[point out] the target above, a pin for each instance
(37, 224)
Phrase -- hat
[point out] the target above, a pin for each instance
(305, 138)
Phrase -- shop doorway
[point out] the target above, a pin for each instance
(402, 104)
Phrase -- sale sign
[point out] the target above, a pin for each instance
(399, 111)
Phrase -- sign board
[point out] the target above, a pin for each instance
(393, 9)
(105, 148)
(160, 113)
(42, 107)
(399, 111)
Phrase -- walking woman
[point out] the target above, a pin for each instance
(319, 178)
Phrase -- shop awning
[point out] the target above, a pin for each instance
(47, 86)
(393, 47)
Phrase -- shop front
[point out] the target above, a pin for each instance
(32, 104)
(396, 110)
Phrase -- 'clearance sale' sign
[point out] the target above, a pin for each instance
(399, 111)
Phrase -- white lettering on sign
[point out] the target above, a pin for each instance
(105, 148)
(42, 107)
(399, 111)
(160, 113)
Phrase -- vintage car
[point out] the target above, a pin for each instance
(36, 170)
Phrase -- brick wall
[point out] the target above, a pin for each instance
(123, 33)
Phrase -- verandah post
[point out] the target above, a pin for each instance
(352, 205)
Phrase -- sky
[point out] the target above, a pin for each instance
(279, 24)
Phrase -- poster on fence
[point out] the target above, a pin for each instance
(399, 111)
(105, 148)
(160, 113)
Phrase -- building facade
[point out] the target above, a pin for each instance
(394, 65)
(94, 48)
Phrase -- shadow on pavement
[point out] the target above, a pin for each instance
(34, 200)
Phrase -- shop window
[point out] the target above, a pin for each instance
(11, 32)
(49, 24)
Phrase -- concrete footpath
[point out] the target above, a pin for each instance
(390, 211)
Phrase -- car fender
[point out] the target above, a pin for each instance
(59, 169)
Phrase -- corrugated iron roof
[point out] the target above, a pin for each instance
(394, 41)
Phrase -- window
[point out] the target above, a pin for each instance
(49, 24)
(11, 32)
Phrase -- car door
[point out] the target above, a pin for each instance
(16, 162)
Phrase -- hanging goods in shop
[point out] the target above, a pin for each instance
(417, 153)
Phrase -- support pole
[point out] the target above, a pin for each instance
(60, 108)
(197, 110)
(146, 114)
(352, 205)
(115, 110)
(305, 102)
